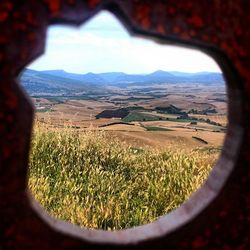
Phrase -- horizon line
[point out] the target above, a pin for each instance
(90, 72)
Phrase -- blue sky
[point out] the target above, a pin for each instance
(103, 45)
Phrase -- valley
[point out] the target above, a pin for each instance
(172, 111)
(117, 153)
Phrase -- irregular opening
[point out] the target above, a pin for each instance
(126, 129)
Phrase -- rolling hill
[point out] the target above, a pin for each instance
(60, 82)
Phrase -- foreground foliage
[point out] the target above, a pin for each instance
(96, 181)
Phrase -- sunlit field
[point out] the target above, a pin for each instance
(93, 179)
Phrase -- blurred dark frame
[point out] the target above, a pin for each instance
(216, 216)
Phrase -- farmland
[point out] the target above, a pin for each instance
(123, 155)
(180, 115)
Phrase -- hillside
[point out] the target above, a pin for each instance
(60, 82)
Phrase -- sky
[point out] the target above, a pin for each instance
(104, 45)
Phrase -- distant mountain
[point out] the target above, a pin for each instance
(130, 78)
(208, 77)
(159, 76)
(181, 74)
(155, 77)
(39, 82)
(59, 72)
(111, 76)
(61, 82)
(160, 73)
(84, 78)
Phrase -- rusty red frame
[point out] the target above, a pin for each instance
(188, 227)
(200, 199)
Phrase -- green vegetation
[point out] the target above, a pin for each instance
(149, 128)
(182, 120)
(171, 109)
(138, 108)
(94, 180)
(137, 116)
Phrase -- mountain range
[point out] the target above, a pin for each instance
(60, 82)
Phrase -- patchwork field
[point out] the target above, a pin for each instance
(124, 155)
(151, 121)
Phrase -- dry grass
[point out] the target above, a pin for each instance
(92, 179)
(222, 119)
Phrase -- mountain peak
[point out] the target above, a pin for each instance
(60, 76)
(160, 73)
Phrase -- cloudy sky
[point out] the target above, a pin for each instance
(103, 45)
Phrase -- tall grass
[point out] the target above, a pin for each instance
(94, 180)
